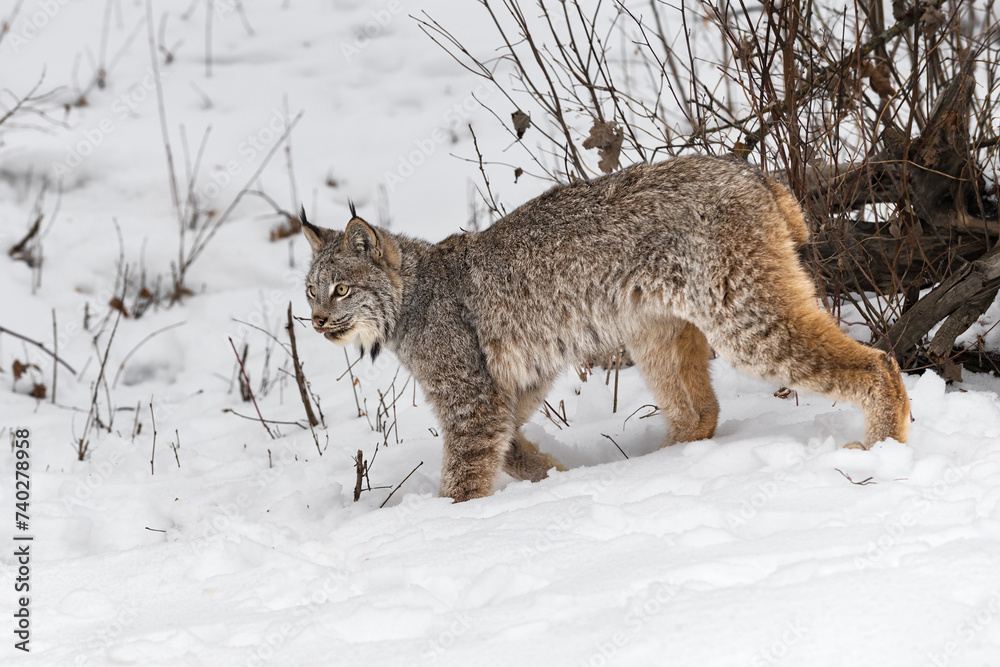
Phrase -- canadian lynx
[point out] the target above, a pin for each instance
(670, 260)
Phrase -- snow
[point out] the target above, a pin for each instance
(767, 544)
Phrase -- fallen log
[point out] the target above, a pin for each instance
(959, 301)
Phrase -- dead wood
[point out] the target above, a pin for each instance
(300, 377)
(961, 298)
(935, 186)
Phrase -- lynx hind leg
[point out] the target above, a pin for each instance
(673, 357)
(523, 460)
(789, 338)
(791, 212)
(890, 416)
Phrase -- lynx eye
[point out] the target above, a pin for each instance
(340, 291)
(311, 292)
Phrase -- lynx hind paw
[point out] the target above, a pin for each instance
(856, 445)
(538, 469)
(554, 463)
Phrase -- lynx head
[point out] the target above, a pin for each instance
(353, 286)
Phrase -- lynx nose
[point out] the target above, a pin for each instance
(318, 321)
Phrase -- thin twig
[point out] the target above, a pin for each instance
(354, 386)
(399, 485)
(105, 72)
(155, 65)
(208, 38)
(350, 366)
(176, 447)
(17, 251)
(656, 409)
(40, 346)
(618, 365)
(190, 205)
(269, 421)
(615, 444)
(55, 352)
(121, 366)
(243, 370)
(26, 99)
(486, 179)
(300, 377)
(201, 243)
(84, 443)
(556, 413)
(8, 22)
(359, 467)
(102, 71)
(864, 482)
(152, 454)
(290, 163)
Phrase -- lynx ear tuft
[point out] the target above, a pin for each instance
(315, 235)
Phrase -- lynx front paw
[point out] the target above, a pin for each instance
(855, 445)
(465, 489)
(460, 495)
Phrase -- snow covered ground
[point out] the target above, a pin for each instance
(227, 546)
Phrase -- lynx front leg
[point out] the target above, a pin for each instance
(471, 464)
(477, 436)
(475, 413)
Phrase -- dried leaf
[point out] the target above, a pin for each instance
(19, 369)
(517, 173)
(290, 227)
(521, 122)
(38, 391)
(118, 305)
(20, 249)
(877, 78)
(607, 139)
(931, 20)
(744, 49)
(833, 84)
(881, 85)
(741, 150)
